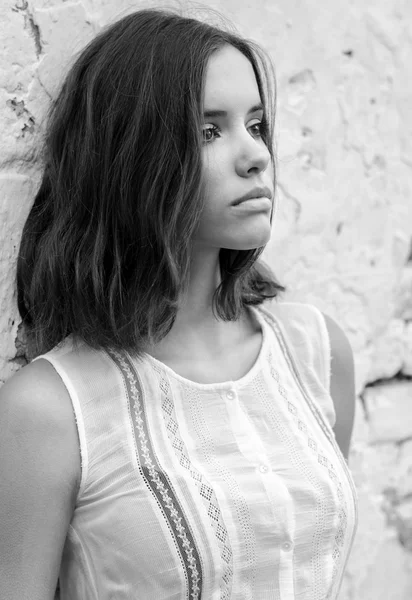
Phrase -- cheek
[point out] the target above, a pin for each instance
(213, 220)
(214, 171)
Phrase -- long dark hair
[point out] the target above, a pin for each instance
(105, 251)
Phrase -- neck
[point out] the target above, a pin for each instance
(196, 328)
(196, 303)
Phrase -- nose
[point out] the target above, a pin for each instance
(253, 155)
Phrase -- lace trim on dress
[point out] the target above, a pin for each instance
(343, 508)
(157, 480)
(206, 492)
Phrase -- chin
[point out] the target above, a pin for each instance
(250, 242)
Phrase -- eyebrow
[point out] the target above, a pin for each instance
(222, 113)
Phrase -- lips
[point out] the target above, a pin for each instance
(258, 192)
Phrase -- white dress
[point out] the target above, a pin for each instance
(234, 490)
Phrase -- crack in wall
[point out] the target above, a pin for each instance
(396, 508)
(36, 35)
(44, 88)
(18, 107)
(30, 24)
(409, 259)
(382, 382)
(403, 441)
(400, 376)
(296, 203)
(364, 406)
(21, 357)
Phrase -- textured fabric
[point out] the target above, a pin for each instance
(234, 490)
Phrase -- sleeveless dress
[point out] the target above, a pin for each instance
(235, 490)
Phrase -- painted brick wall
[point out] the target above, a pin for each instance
(342, 239)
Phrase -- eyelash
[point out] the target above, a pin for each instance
(262, 130)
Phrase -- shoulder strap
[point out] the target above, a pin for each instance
(306, 332)
(306, 329)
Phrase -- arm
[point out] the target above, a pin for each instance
(342, 387)
(39, 474)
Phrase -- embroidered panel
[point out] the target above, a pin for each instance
(204, 488)
(157, 480)
(338, 556)
(322, 460)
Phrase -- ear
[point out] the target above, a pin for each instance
(342, 385)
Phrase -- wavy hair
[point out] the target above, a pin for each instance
(105, 251)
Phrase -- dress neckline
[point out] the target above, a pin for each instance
(224, 384)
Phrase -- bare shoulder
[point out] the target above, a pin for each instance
(342, 386)
(36, 410)
(39, 474)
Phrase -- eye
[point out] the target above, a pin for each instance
(209, 133)
(257, 129)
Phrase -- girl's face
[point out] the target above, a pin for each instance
(236, 161)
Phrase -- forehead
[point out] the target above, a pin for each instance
(230, 78)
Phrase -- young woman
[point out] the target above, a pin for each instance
(173, 438)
